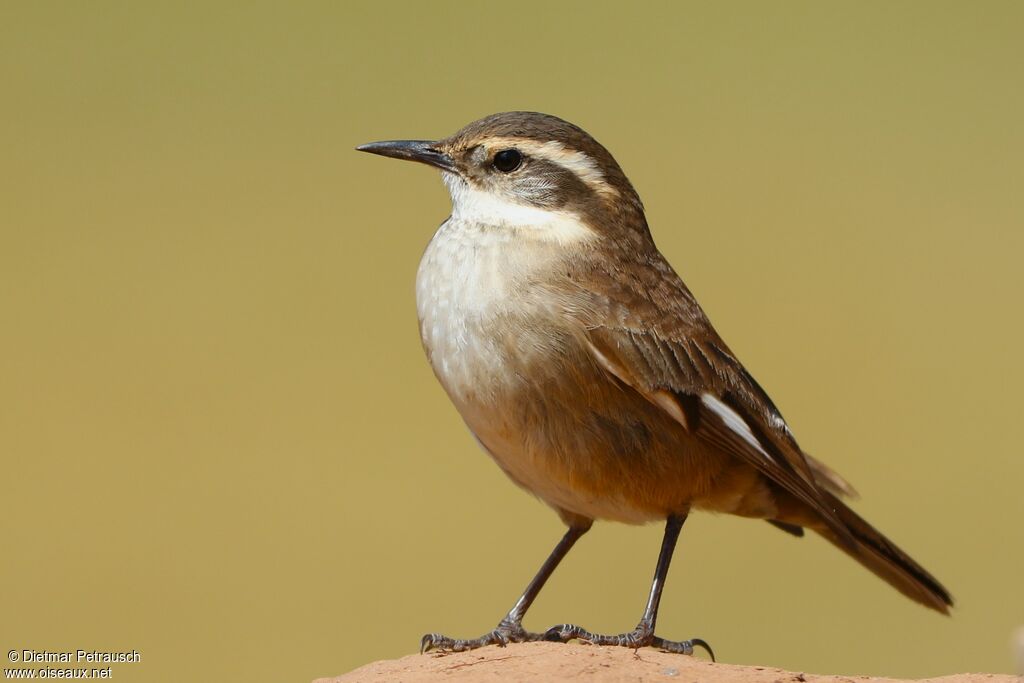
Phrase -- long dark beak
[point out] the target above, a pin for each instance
(423, 151)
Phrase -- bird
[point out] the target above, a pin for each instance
(587, 370)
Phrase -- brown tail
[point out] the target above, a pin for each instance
(881, 556)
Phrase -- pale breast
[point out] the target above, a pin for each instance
(494, 325)
(474, 303)
(501, 348)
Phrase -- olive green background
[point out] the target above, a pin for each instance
(221, 445)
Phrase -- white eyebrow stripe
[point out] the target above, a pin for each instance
(734, 422)
(581, 164)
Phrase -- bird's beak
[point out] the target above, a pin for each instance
(423, 151)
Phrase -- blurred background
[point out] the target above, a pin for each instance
(221, 445)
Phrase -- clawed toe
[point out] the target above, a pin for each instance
(510, 630)
(563, 633)
(682, 647)
(432, 641)
(437, 641)
(635, 639)
(501, 636)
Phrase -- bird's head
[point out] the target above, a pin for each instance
(525, 168)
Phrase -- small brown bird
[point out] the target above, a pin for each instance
(587, 370)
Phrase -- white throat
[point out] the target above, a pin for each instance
(475, 206)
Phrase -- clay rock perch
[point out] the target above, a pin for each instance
(558, 662)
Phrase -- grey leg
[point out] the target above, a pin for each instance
(510, 628)
(643, 634)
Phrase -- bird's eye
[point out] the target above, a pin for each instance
(508, 160)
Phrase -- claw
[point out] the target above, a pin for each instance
(636, 639)
(561, 633)
(501, 636)
(702, 643)
(429, 642)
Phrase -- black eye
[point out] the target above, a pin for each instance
(508, 160)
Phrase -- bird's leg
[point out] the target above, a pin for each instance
(510, 628)
(643, 635)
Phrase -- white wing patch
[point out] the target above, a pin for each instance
(734, 422)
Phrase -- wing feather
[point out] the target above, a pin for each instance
(710, 404)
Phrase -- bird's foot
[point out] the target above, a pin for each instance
(505, 633)
(641, 636)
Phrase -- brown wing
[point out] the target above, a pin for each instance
(645, 328)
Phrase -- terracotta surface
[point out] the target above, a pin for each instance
(557, 662)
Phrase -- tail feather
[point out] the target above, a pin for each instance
(888, 562)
